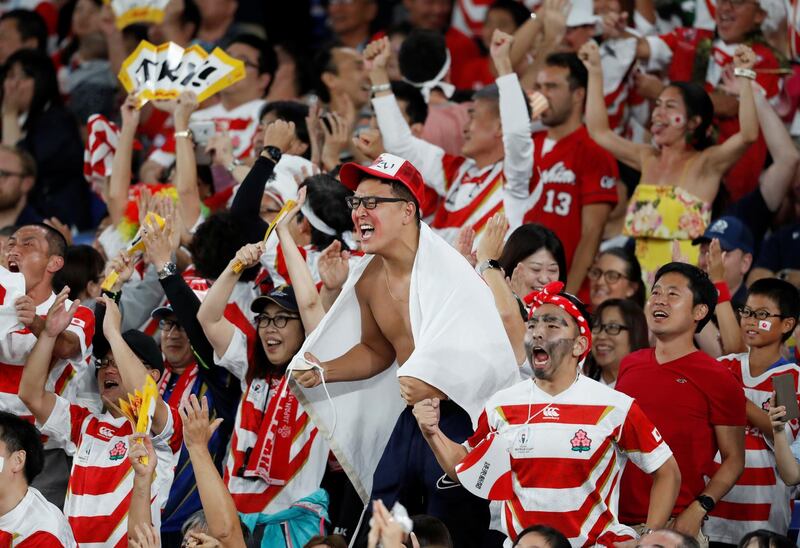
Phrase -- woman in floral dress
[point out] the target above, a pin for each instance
(681, 170)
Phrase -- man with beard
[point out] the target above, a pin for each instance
(17, 176)
(569, 436)
(569, 183)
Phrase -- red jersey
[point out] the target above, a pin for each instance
(567, 175)
(685, 399)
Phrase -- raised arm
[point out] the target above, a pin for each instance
(246, 204)
(211, 313)
(490, 248)
(32, 390)
(139, 514)
(775, 181)
(334, 267)
(788, 467)
(447, 452)
(623, 150)
(132, 371)
(397, 136)
(719, 158)
(120, 180)
(729, 329)
(514, 118)
(308, 299)
(185, 163)
(220, 510)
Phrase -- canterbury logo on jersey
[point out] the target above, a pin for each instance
(558, 174)
(551, 413)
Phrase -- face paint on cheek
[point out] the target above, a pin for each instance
(676, 120)
(558, 349)
(2, 462)
(764, 325)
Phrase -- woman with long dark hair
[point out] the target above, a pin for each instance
(35, 120)
(681, 170)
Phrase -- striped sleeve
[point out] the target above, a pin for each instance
(642, 442)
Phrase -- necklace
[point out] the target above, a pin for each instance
(389, 289)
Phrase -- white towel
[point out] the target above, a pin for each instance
(461, 348)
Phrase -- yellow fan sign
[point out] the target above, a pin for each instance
(136, 245)
(128, 12)
(140, 407)
(238, 266)
(164, 72)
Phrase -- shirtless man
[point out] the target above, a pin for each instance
(385, 210)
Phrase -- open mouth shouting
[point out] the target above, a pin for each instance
(13, 265)
(539, 357)
(366, 230)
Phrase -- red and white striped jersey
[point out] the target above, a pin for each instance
(277, 455)
(470, 195)
(35, 523)
(16, 345)
(101, 481)
(759, 500)
(567, 453)
(240, 123)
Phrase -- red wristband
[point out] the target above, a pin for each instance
(723, 291)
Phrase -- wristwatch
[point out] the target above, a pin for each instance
(706, 502)
(185, 134)
(168, 270)
(485, 265)
(273, 153)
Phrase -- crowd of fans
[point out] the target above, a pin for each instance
(471, 273)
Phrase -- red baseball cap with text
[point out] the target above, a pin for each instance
(388, 167)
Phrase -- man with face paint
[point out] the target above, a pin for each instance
(26, 518)
(696, 404)
(758, 500)
(563, 421)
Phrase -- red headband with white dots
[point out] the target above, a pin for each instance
(551, 293)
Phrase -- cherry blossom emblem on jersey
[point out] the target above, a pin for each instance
(581, 442)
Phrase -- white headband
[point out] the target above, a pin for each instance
(436, 82)
(315, 221)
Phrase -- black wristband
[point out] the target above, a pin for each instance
(113, 295)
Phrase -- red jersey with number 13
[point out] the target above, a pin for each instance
(568, 175)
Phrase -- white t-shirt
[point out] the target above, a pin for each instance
(35, 522)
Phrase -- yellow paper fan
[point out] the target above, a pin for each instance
(163, 72)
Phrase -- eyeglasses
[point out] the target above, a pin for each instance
(168, 325)
(263, 321)
(102, 363)
(369, 202)
(5, 174)
(610, 276)
(610, 328)
(762, 314)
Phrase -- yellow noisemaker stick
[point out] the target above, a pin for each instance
(238, 266)
(136, 245)
(140, 407)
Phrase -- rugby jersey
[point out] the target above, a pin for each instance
(101, 480)
(295, 465)
(35, 523)
(469, 195)
(760, 499)
(567, 453)
(16, 345)
(557, 178)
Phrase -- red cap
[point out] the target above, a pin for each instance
(386, 166)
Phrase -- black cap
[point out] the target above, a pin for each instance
(145, 349)
(283, 296)
(162, 312)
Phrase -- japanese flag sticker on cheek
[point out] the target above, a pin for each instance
(486, 470)
(764, 325)
(2, 462)
(676, 120)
